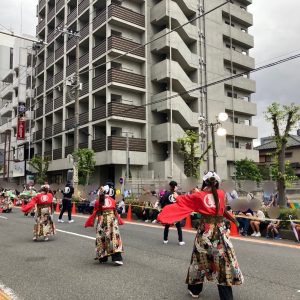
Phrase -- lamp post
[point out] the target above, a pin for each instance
(214, 127)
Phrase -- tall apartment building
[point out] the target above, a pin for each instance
(15, 94)
(125, 96)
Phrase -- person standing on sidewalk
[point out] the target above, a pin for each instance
(167, 199)
(67, 202)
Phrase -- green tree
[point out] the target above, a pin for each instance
(189, 149)
(283, 119)
(41, 166)
(247, 169)
(288, 171)
(86, 164)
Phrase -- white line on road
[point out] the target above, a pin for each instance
(7, 292)
(3, 218)
(76, 234)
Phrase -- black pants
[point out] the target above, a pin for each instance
(114, 257)
(179, 230)
(66, 206)
(225, 292)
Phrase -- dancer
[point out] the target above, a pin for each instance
(213, 257)
(167, 199)
(108, 238)
(44, 226)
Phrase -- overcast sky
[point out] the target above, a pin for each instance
(276, 35)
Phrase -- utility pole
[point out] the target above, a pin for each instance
(127, 155)
(74, 82)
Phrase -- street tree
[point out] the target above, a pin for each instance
(41, 166)
(189, 148)
(247, 169)
(283, 119)
(86, 164)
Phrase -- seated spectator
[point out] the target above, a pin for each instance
(244, 223)
(155, 211)
(273, 228)
(146, 212)
(121, 207)
(255, 223)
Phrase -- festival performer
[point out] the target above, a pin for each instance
(213, 257)
(108, 238)
(44, 226)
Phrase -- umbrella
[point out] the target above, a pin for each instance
(294, 229)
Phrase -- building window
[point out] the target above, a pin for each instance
(234, 95)
(268, 158)
(262, 159)
(289, 154)
(11, 55)
(228, 23)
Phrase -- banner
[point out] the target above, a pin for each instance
(21, 129)
(19, 169)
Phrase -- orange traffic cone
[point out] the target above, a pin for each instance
(234, 231)
(129, 213)
(57, 208)
(73, 209)
(188, 223)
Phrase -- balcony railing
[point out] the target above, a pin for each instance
(51, 14)
(99, 113)
(84, 118)
(48, 154)
(58, 102)
(50, 36)
(83, 145)
(99, 19)
(48, 131)
(49, 83)
(69, 150)
(38, 135)
(49, 106)
(70, 123)
(71, 43)
(83, 5)
(84, 31)
(57, 154)
(40, 89)
(41, 25)
(59, 5)
(126, 14)
(71, 69)
(99, 81)
(99, 145)
(40, 68)
(72, 16)
(126, 111)
(50, 59)
(57, 128)
(85, 89)
(42, 4)
(119, 143)
(83, 60)
(99, 50)
(128, 78)
(119, 43)
(59, 52)
(39, 112)
(58, 77)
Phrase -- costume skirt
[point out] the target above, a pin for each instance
(44, 225)
(213, 257)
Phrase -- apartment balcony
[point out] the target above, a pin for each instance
(119, 143)
(40, 26)
(162, 132)
(71, 69)
(59, 52)
(58, 102)
(126, 79)
(57, 128)
(6, 109)
(189, 7)
(159, 16)
(241, 106)
(84, 60)
(180, 51)
(41, 4)
(239, 59)
(71, 43)
(82, 6)
(239, 36)
(84, 32)
(29, 114)
(184, 116)
(125, 17)
(181, 81)
(14, 122)
(40, 89)
(39, 112)
(69, 150)
(51, 14)
(126, 111)
(49, 106)
(70, 123)
(99, 50)
(58, 77)
(125, 45)
(240, 130)
(9, 76)
(6, 126)
(99, 19)
(48, 154)
(84, 118)
(48, 131)
(238, 14)
(99, 145)
(244, 84)
(85, 89)
(59, 5)
(99, 81)
(235, 154)
(40, 68)
(38, 135)
(72, 16)
(57, 154)
(49, 83)
(99, 113)
(50, 36)
(7, 92)
(50, 60)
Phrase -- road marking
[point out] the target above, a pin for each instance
(7, 293)
(3, 218)
(76, 234)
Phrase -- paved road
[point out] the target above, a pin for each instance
(63, 268)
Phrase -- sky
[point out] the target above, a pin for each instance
(276, 35)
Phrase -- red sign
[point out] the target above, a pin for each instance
(21, 129)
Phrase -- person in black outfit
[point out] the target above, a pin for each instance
(67, 202)
(167, 199)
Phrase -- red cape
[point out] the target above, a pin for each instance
(200, 202)
(43, 199)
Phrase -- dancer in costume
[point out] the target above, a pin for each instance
(108, 238)
(44, 226)
(213, 257)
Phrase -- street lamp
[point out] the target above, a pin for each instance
(214, 127)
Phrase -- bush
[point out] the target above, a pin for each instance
(284, 215)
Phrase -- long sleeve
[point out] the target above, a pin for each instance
(27, 208)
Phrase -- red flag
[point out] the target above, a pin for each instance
(21, 129)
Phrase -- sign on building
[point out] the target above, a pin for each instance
(19, 169)
(21, 129)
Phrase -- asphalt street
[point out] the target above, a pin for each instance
(64, 268)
